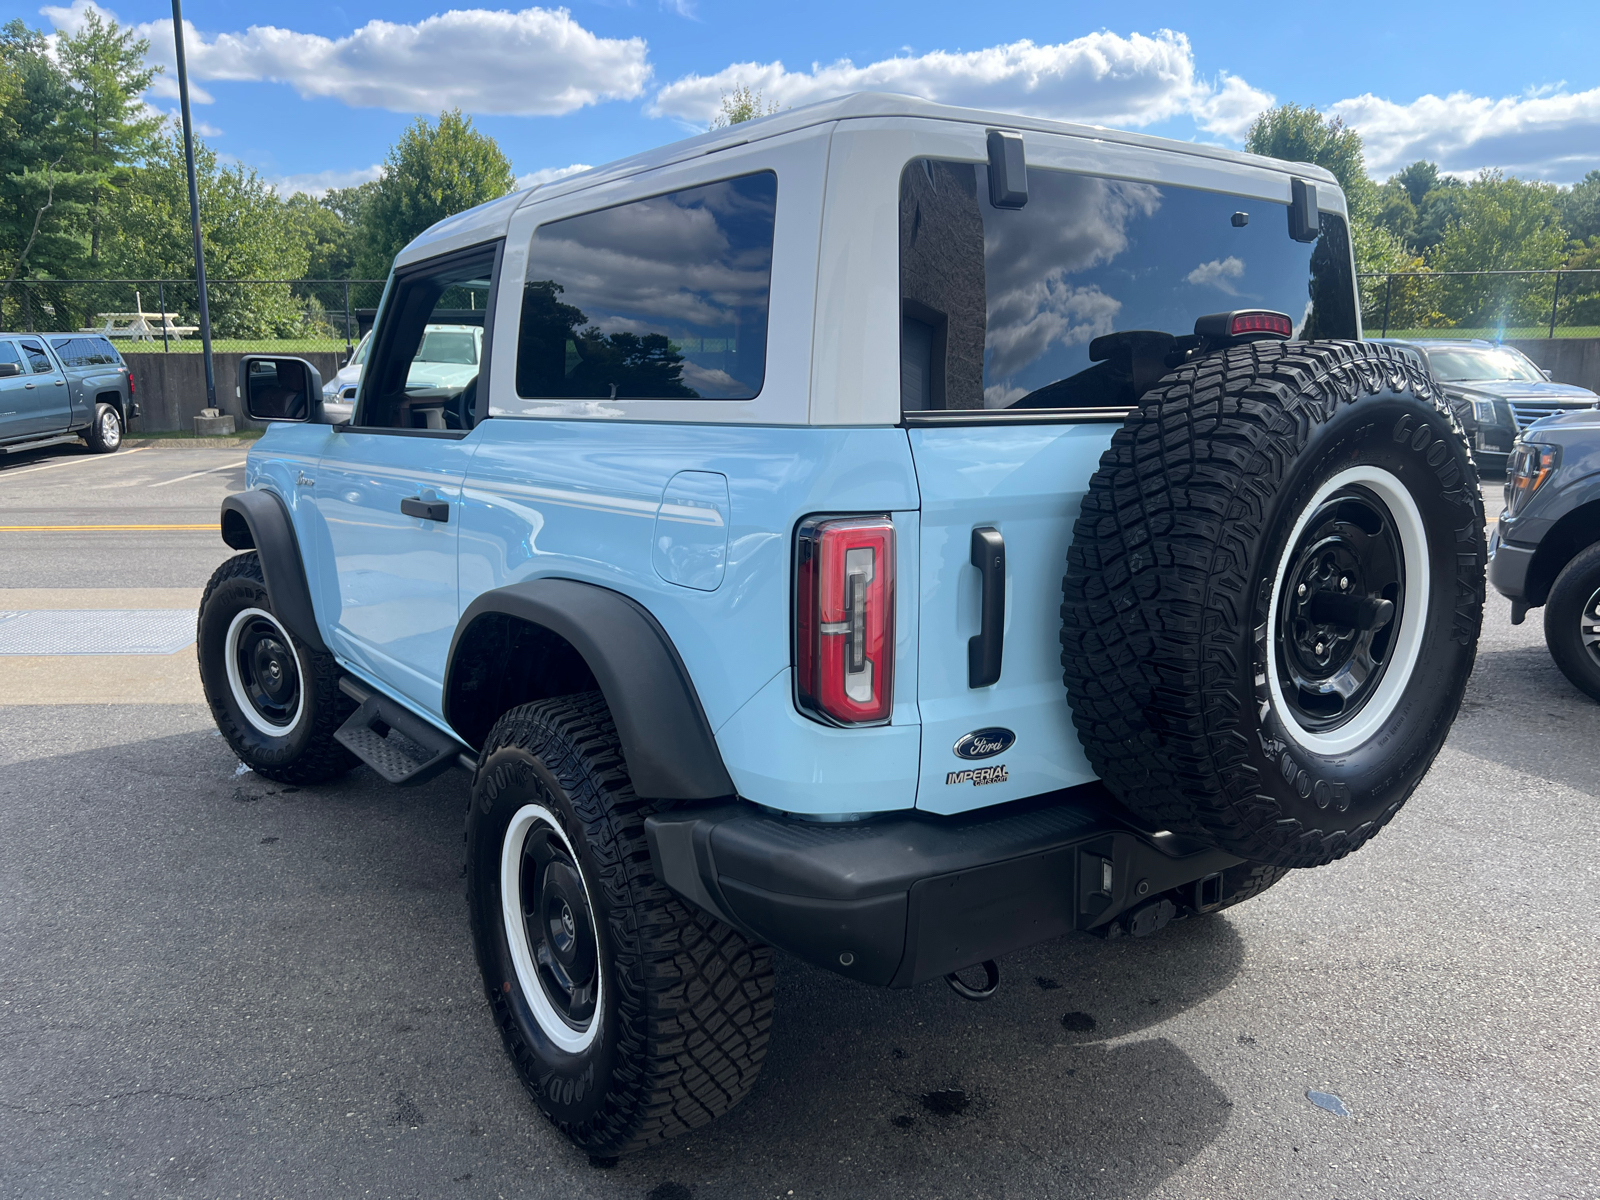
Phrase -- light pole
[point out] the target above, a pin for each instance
(194, 205)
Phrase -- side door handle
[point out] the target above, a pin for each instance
(985, 651)
(428, 510)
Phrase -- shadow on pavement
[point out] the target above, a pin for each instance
(214, 983)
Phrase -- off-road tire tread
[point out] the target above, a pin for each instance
(1156, 584)
(323, 758)
(695, 996)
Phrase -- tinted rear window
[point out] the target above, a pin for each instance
(999, 307)
(659, 298)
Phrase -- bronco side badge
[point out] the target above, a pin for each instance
(985, 743)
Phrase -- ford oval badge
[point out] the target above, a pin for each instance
(985, 743)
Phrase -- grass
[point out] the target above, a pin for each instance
(238, 346)
(1518, 332)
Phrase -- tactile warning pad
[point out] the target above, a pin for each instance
(97, 631)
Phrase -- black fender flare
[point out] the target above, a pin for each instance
(667, 741)
(259, 520)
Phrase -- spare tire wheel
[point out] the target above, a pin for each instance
(1273, 597)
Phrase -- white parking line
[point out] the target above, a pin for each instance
(197, 474)
(67, 462)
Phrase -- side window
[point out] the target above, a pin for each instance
(66, 351)
(10, 357)
(662, 298)
(102, 352)
(38, 359)
(428, 350)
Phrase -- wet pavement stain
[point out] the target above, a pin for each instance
(1077, 1022)
(947, 1102)
(603, 1161)
(1328, 1101)
(669, 1190)
(406, 1111)
(1046, 984)
(267, 841)
(903, 1121)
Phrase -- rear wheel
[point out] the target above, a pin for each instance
(105, 434)
(1572, 621)
(630, 1016)
(1273, 598)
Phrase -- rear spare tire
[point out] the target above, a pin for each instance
(1273, 597)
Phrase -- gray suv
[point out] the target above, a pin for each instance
(1546, 550)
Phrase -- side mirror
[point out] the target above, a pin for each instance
(9, 369)
(1543, 371)
(279, 389)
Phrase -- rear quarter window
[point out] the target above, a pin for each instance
(999, 308)
(660, 298)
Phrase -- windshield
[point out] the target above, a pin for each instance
(1082, 297)
(1464, 364)
(360, 356)
(448, 346)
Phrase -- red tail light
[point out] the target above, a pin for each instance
(844, 619)
(1262, 322)
(130, 385)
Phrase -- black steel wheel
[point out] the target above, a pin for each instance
(1339, 608)
(274, 698)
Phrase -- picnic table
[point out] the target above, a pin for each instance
(138, 326)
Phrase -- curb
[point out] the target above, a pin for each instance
(191, 443)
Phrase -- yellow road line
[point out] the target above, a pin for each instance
(211, 525)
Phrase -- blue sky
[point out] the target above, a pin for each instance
(313, 94)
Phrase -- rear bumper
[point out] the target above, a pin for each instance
(909, 896)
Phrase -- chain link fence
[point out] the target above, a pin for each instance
(1494, 305)
(162, 315)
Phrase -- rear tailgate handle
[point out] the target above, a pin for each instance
(428, 510)
(985, 651)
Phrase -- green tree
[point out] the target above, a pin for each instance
(42, 191)
(248, 234)
(1395, 210)
(1420, 178)
(740, 105)
(1501, 224)
(105, 69)
(1302, 134)
(432, 172)
(1579, 206)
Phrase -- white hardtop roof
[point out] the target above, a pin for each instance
(489, 220)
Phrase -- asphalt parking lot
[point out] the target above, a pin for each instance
(214, 985)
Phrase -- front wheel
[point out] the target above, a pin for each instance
(275, 699)
(1572, 621)
(629, 1016)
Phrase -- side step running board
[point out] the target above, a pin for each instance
(394, 742)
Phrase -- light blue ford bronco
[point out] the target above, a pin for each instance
(733, 573)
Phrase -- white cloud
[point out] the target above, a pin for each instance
(536, 62)
(318, 183)
(1100, 78)
(1554, 136)
(1217, 273)
(549, 175)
